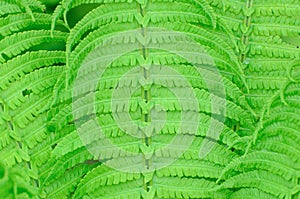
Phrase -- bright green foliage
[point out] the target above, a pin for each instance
(252, 129)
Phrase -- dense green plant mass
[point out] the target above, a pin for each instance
(247, 94)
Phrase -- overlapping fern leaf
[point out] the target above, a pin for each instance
(31, 62)
(198, 99)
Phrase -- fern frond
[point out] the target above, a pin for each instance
(263, 64)
(35, 5)
(8, 136)
(130, 189)
(25, 6)
(34, 83)
(30, 109)
(32, 137)
(190, 168)
(59, 117)
(170, 103)
(262, 180)
(192, 151)
(279, 146)
(259, 82)
(100, 16)
(269, 161)
(13, 154)
(124, 145)
(186, 188)
(271, 50)
(7, 8)
(42, 152)
(205, 104)
(66, 184)
(280, 127)
(101, 176)
(18, 22)
(19, 42)
(251, 193)
(56, 166)
(18, 67)
(277, 9)
(90, 42)
(57, 13)
(283, 26)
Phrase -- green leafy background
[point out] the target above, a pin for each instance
(254, 45)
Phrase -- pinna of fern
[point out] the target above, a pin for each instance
(29, 66)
